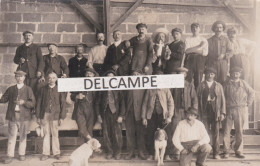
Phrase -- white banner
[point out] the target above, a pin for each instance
(120, 83)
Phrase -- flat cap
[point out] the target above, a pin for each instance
(25, 32)
(232, 30)
(110, 71)
(195, 24)
(236, 69)
(192, 110)
(137, 71)
(91, 70)
(176, 30)
(140, 25)
(210, 70)
(158, 72)
(20, 73)
(182, 69)
(55, 44)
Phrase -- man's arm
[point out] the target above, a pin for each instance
(204, 135)
(149, 58)
(170, 104)
(40, 61)
(64, 66)
(90, 58)
(250, 94)
(17, 56)
(5, 97)
(176, 138)
(30, 102)
(62, 105)
(194, 98)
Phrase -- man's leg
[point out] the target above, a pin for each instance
(47, 132)
(130, 133)
(24, 128)
(215, 138)
(185, 159)
(238, 124)
(116, 136)
(107, 133)
(140, 138)
(203, 152)
(12, 135)
(151, 128)
(82, 124)
(228, 122)
(55, 137)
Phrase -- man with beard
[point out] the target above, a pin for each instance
(212, 107)
(77, 64)
(118, 55)
(239, 96)
(196, 52)
(29, 58)
(243, 50)
(97, 54)
(220, 51)
(142, 51)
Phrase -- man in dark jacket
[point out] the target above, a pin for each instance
(20, 100)
(77, 64)
(142, 50)
(118, 55)
(110, 106)
(133, 121)
(29, 58)
(50, 113)
(212, 107)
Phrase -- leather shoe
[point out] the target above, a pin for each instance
(129, 156)
(109, 156)
(22, 157)
(142, 156)
(226, 155)
(216, 157)
(240, 155)
(57, 157)
(44, 157)
(150, 157)
(167, 158)
(118, 156)
(8, 160)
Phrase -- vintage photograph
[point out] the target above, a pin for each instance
(129, 82)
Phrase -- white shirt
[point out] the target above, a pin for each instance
(116, 43)
(97, 54)
(209, 85)
(242, 46)
(196, 41)
(185, 132)
(19, 86)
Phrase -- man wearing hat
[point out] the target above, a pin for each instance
(212, 107)
(243, 50)
(184, 98)
(142, 50)
(157, 112)
(220, 51)
(161, 50)
(110, 106)
(118, 55)
(133, 121)
(21, 101)
(77, 64)
(84, 109)
(97, 54)
(191, 137)
(196, 52)
(239, 96)
(29, 59)
(177, 48)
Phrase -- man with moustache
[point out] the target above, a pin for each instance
(29, 59)
(212, 107)
(118, 55)
(220, 51)
(196, 51)
(142, 51)
(77, 64)
(97, 55)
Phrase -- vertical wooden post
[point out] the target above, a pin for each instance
(107, 16)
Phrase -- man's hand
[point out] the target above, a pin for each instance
(39, 121)
(168, 120)
(100, 119)
(22, 60)
(89, 137)
(42, 79)
(64, 76)
(39, 74)
(115, 67)
(80, 96)
(19, 102)
(60, 122)
(195, 148)
(222, 117)
(146, 68)
(221, 56)
(184, 151)
(145, 122)
(119, 119)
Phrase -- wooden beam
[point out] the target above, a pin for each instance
(129, 11)
(107, 18)
(236, 14)
(86, 15)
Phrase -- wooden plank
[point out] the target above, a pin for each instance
(236, 14)
(107, 18)
(129, 11)
(86, 15)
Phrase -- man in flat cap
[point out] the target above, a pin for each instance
(21, 101)
(196, 52)
(133, 121)
(142, 50)
(243, 50)
(220, 51)
(118, 55)
(212, 107)
(177, 48)
(184, 98)
(97, 54)
(29, 59)
(77, 64)
(191, 137)
(239, 96)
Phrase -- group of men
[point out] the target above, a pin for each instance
(213, 98)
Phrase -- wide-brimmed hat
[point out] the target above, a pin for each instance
(182, 69)
(210, 70)
(236, 69)
(216, 23)
(192, 110)
(20, 73)
(161, 30)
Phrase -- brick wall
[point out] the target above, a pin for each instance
(58, 21)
